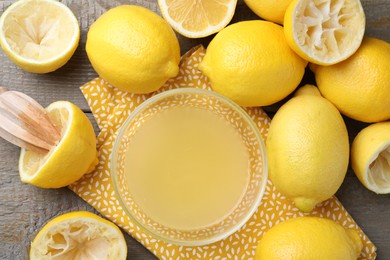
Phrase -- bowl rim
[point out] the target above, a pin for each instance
(161, 96)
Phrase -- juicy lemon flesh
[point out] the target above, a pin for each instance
(379, 170)
(329, 29)
(198, 18)
(34, 161)
(80, 236)
(39, 35)
(197, 15)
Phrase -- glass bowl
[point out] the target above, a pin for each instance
(257, 165)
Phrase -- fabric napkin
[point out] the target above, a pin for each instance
(111, 107)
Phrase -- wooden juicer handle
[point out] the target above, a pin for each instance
(25, 123)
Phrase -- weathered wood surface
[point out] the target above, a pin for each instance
(24, 209)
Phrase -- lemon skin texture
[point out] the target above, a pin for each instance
(133, 49)
(308, 150)
(251, 63)
(359, 86)
(269, 10)
(309, 238)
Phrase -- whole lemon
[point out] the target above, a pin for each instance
(251, 63)
(308, 238)
(269, 10)
(308, 150)
(359, 86)
(133, 48)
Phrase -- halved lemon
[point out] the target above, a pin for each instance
(39, 36)
(70, 159)
(200, 18)
(324, 32)
(370, 157)
(79, 235)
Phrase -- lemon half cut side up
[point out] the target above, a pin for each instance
(74, 155)
(325, 32)
(79, 235)
(40, 41)
(196, 19)
(370, 157)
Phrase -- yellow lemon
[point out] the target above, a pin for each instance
(307, 89)
(133, 48)
(308, 150)
(269, 10)
(196, 19)
(324, 32)
(359, 86)
(309, 238)
(370, 157)
(39, 35)
(79, 235)
(73, 156)
(251, 63)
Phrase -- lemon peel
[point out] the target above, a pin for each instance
(152, 58)
(70, 159)
(79, 235)
(370, 157)
(269, 10)
(41, 41)
(359, 86)
(324, 32)
(307, 89)
(308, 150)
(245, 61)
(309, 238)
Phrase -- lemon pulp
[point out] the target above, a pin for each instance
(325, 32)
(39, 41)
(199, 18)
(379, 170)
(79, 235)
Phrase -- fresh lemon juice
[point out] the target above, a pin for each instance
(187, 167)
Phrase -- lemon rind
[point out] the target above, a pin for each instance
(211, 29)
(28, 178)
(314, 58)
(74, 40)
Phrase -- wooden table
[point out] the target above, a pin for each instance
(24, 209)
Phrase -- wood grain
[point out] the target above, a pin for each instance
(24, 209)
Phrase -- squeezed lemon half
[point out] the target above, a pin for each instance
(196, 19)
(79, 235)
(370, 157)
(70, 159)
(41, 40)
(324, 32)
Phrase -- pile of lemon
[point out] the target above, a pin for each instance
(254, 63)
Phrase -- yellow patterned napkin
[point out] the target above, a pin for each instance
(111, 107)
